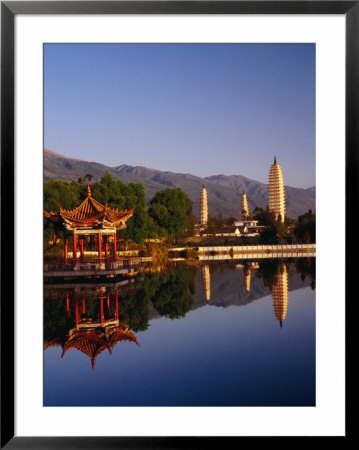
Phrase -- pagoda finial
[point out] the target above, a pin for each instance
(88, 191)
(275, 160)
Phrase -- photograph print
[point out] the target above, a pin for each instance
(179, 225)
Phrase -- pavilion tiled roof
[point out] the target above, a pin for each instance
(93, 343)
(90, 343)
(57, 342)
(91, 213)
(122, 335)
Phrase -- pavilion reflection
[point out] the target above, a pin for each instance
(92, 318)
(91, 330)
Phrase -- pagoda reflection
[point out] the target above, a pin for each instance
(247, 278)
(247, 268)
(280, 293)
(94, 332)
(206, 281)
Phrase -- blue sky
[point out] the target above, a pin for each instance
(203, 109)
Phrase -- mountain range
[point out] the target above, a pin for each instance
(223, 191)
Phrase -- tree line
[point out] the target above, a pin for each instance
(169, 213)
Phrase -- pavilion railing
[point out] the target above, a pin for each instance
(90, 264)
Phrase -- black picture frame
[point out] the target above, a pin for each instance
(9, 9)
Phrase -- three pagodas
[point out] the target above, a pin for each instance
(276, 197)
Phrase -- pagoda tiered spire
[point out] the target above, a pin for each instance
(245, 210)
(204, 207)
(276, 193)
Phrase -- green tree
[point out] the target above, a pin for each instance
(305, 229)
(264, 216)
(171, 211)
(58, 193)
(275, 231)
(137, 226)
(153, 230)
(119, 195)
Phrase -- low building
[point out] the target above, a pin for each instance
(246, 223)
(228, 230)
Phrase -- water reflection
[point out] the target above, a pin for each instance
(247, 278)
(95, 318)
(206, 279)
(91, 324)
(280, 293)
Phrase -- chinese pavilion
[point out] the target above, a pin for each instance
(90, 218)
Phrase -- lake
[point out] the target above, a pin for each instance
(188, 334)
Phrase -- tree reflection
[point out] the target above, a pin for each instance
(170, 293)
(268, 271)
(89, 321)
(56, 323)
(305, 267)
(171, 296)
(135, 310)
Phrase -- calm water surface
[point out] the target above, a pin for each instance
(221, 334)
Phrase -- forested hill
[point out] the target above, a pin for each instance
(224, 192)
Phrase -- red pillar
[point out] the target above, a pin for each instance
(83, 306)
(66, 250)
(114, 246)
(116, 307)
(82, 249)
(106, 248)
(101, 309)
(74, 245)
(77, 316)
(108, 302)
(99, 244)
(68, 304)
